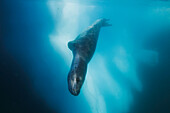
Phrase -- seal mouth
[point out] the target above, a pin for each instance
(73, 87)
(74, 92)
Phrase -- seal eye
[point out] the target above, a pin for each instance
(77, 80)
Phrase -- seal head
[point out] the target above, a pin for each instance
(76, 76)
(74, 83)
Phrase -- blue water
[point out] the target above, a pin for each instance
(129, 72)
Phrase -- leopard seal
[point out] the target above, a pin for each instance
(83, 48)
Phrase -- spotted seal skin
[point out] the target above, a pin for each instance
(83, 48)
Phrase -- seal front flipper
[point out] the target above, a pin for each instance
(72, 45)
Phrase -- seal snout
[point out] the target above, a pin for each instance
(73, 85)
(73, 88)
(74, 92)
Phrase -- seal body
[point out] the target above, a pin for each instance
(83, 48)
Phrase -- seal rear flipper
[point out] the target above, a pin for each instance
(105, 23)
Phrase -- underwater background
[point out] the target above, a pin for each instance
(129, 72)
